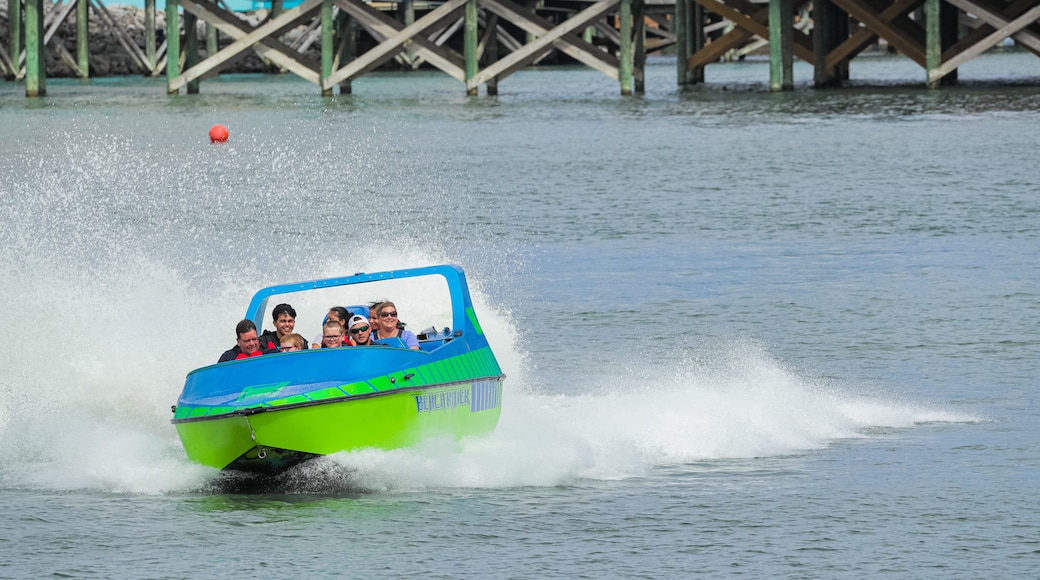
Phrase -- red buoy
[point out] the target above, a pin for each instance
(218, 134)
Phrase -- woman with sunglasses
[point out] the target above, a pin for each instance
(384, 316)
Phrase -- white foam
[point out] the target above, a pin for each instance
(90, 409)
(106, 321)
(747, 406)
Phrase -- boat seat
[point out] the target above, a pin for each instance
(355, 309)
(358, 309)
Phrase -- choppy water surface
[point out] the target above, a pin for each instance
(745, 333)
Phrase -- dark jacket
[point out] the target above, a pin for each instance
(236, 353)
(269, 339)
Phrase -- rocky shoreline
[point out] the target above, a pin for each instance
(109, 58)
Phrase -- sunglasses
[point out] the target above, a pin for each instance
(388, 314)
(358, 329)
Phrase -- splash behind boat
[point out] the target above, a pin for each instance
(267, 413)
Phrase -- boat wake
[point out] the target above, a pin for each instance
(96, 417)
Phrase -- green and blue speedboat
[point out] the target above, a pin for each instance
(270, 412)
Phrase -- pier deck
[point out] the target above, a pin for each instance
(482, 42)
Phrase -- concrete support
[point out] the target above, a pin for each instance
(625, 50)
(149, 33)
(191, 48)
(327, 48)
(35, 57)
(470, 44)
(173, 43)
(83, 36)
(781, 45)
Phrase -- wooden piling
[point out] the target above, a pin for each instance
(327, 55)
(625, 48)
(14, 32)
(346, 32)
(212, 40)
(149, 33)
(491, 53)
(689, 40)
(470, 45)
(781, 45)
(933, 42)
(82, 37)
(35, 57)
(407, 16)
(531, 6)
(826, 37)
(173, 44)
(949, 28)
(191, 48)
(699, 37)
(639, 48)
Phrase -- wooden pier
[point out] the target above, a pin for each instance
(482, 42)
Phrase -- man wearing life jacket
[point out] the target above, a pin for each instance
(284, 317)
(248, 344)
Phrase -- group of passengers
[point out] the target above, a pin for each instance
(341, 328)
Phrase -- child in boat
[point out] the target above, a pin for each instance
(291, 342)
(360, 331)
(334, 336)
(337, 313)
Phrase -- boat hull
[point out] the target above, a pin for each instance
(269, 440)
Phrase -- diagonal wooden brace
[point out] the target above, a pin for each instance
(996, 36)
(532, 50)
(570, 44)
(245, 41)
(382, 27)
(744, 14)
(859, 40)
(723, 44)
(996, 20)
(389, 47)
(897, 37)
